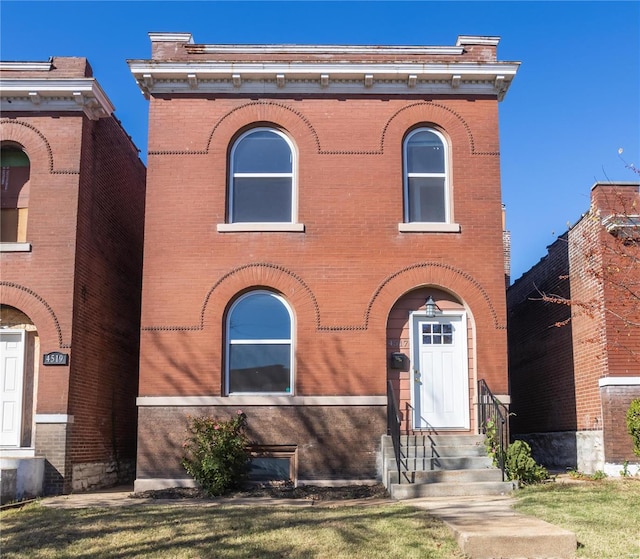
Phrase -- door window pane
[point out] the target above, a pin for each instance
(437, 334)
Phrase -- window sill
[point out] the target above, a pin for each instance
(423, 227)
(260, 227)
(15, 247)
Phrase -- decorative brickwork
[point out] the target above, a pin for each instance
(347, 269)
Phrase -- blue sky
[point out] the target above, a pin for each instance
(573, 104)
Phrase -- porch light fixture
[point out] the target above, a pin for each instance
(431, 307)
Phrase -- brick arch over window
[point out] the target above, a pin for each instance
(35, 145)
(251, 276)
(39, 311)
(269, 113)
(448, 120)
(444, 276)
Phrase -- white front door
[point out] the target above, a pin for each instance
(440, 372)
(11, 377)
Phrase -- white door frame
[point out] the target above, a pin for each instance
(459, 317)
(11, 392)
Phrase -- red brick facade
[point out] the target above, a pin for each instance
(578, 377)
(74, 284)
(346, 268)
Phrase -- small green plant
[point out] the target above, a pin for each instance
(216, 452)
(598, 474)
(595, 476)
(633, 424)
(520, 465)
(625, 469)
(491, 441)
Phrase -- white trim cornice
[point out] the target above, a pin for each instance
(163, 37)
(477, 40)
(205, 77)
(26, 66)
(65, 95)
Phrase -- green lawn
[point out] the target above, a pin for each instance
(604, 515)
(223, 532)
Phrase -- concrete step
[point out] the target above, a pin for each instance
(452, 463)
(453, 489)
(441, 440)
(434, 452)
(446, 476)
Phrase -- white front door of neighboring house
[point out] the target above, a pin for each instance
(12, 346)
(440, 371)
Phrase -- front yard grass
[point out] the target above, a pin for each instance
(221, 532)
(604, 514)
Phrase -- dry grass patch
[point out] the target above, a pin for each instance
(384, 531)
(604, 515)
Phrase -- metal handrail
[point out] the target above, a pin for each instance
(394, 421)
(492, 413)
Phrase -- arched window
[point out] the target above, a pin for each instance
(259, 345)
(426, 177)
(14, 194)
(262, 178)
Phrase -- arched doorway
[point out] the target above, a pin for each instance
(19, 367)
(431, 361)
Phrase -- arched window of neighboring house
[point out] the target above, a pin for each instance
(262, 178)
(426, 177)
(14, 197)
(259, 346)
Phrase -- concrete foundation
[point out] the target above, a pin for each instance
(21, 478)
(618, 470)
(567, 450)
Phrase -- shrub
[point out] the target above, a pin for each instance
(216, 453)
(633, 424)
(520, 465)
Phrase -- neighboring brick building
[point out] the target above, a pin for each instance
(304, 202)
(574, 369)
(73, 191)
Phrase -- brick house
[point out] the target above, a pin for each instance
(73, 191)
(304, 203)
(574, 369)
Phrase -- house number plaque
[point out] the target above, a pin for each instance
(55, 358)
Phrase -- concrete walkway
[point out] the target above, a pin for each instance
(487, 527)
(484, 527)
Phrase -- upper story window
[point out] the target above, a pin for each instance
(14, 198)
(259, 345)
(427, 203)
(262, 182)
